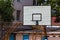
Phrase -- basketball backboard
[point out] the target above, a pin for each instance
(40, 13)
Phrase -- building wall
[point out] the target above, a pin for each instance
(19, 36)
(19, 6)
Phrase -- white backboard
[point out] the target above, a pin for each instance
(44, 10)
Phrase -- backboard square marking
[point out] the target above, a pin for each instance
(36, 17)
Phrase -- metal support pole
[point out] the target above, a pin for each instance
(37, 23)
(45, 33)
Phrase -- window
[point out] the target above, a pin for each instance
(45, 38)
(12, 37)
(18, 0)
(18, 15)
(25, 37)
